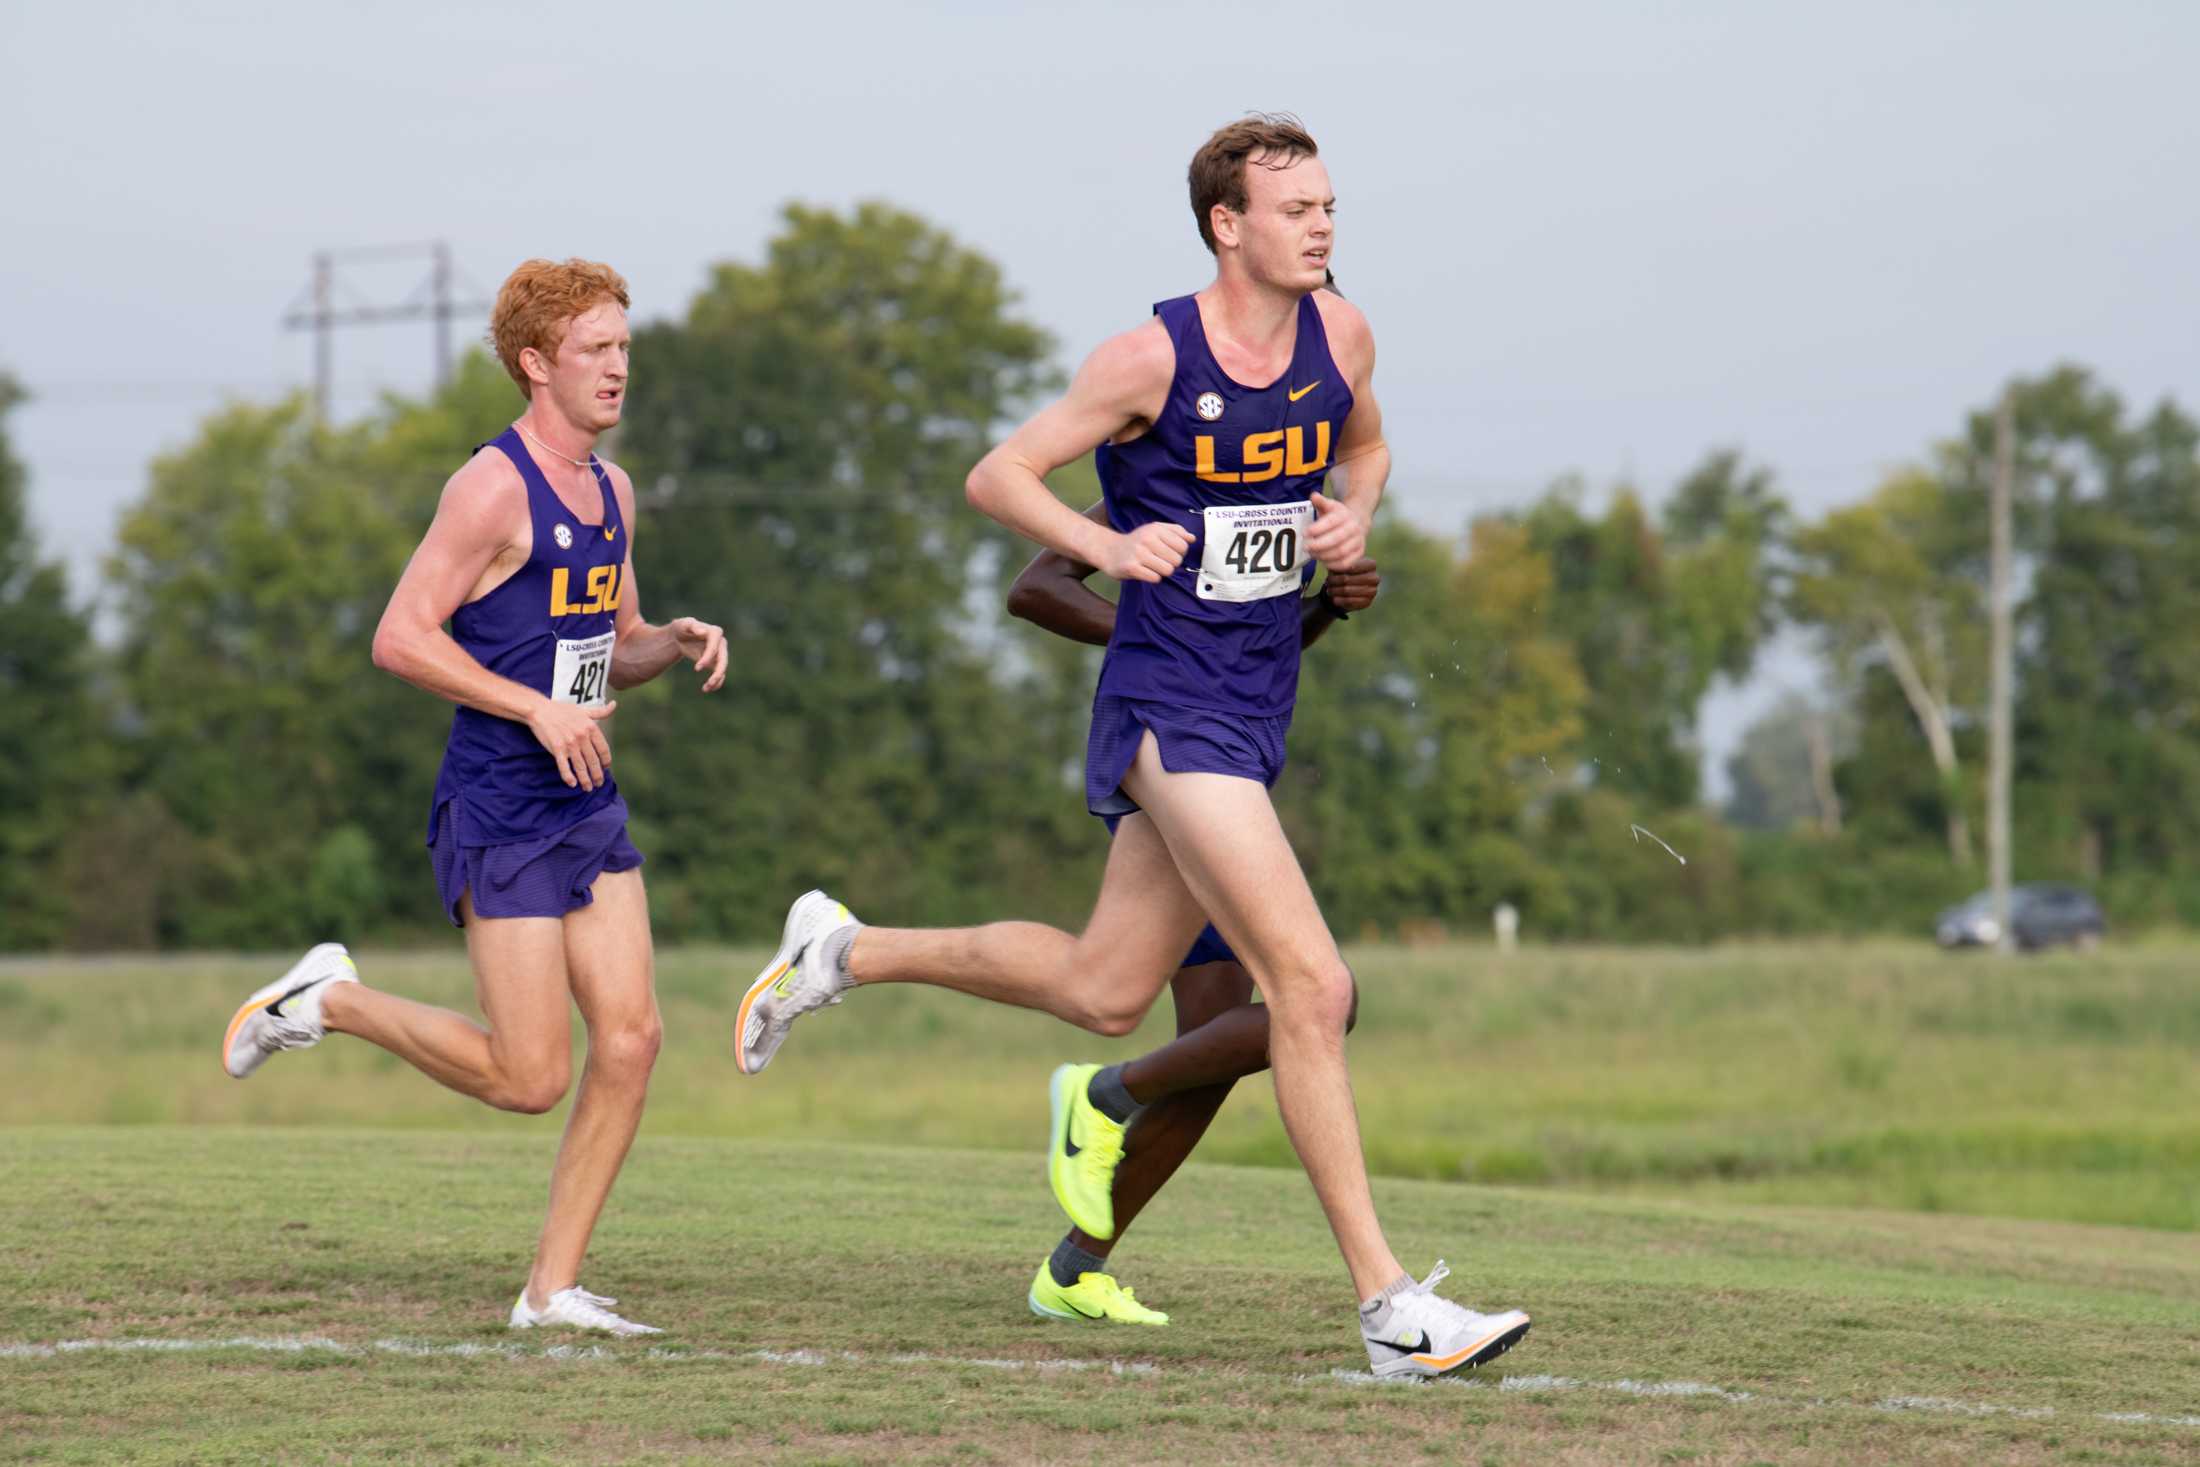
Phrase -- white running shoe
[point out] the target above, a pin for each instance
(1416, 1333)
(792, 984)
(286, 1014)
(579, 1309)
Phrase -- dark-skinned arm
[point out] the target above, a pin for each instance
(1051, 594)
(1343, 592)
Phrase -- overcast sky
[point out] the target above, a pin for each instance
(1591, 237)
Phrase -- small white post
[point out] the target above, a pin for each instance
(1506, 919)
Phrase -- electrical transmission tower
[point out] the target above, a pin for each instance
(316, 310)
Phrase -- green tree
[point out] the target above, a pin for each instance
(2109, 681)
(2108, 522)
(799, 442)
(1424, 731)
(249, 580)
(1891, 583)
(1657, 609)
(49, 723)
(1783, 773)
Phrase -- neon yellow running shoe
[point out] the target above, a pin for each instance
(1083, 1150)
(1093, 1296)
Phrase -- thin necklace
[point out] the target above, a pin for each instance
(578, 463)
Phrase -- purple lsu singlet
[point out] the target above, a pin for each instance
(548, 627)
(1235, 466)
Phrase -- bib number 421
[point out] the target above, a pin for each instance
(587, 685)
(582, 672)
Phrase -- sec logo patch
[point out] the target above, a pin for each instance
(1209, 406)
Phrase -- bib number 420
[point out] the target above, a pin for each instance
(1251, 551)
(1257, 552)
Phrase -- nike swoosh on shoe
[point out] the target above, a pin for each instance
(275, 1009)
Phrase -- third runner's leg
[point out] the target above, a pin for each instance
(1074, 1282)
(1222, 1037)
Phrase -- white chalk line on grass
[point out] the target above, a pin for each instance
(1696, 1389)
(1510, 1384)
(299, 1344)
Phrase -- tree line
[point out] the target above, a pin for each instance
(1507, 724)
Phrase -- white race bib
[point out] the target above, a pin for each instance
(1253, 551)
(583, 671)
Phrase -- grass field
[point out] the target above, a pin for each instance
(1732, 1186)
(842, 1303)
(1876, 1075)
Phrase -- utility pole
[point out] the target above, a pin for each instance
(442, 315)
(2001, 693)
(324, 287)
(322, 317)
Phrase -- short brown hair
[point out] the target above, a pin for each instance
(1270, 139)
(539, 300)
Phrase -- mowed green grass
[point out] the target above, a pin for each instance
(831, 1302)
(1876, 1075)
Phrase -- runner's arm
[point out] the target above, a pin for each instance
(1362, 455)
(644, 649)
(1363, 458)
(474, 522)
(1346, 591)
(1051, 594)
(1124, 381)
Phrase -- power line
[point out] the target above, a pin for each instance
(322, 316)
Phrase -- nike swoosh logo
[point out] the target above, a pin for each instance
(1069, 1144)
(1415, 1349)
(611, 532)
(275, 1009)
(1309, 387)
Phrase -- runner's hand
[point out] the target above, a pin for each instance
(705, 646)
(1339, 536)
(573, 736)
(1354, 587)
(1147, 553)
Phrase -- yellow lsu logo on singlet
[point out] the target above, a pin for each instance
(603, 592)
(1264, 455)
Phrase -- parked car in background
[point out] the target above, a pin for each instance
(2042, 914)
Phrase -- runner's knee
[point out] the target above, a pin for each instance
(1321, 1000)
(1116, 990)
(627, 1049)
(1112, 1019)
(1114, 1008)
(532, 1094)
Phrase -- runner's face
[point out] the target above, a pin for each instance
(588, 378)
(1289, 223)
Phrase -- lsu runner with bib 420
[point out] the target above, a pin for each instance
(1217, 424)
